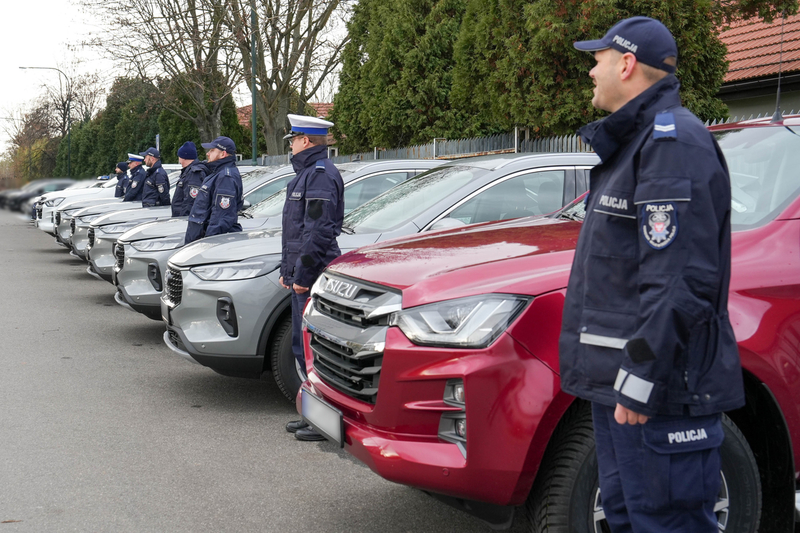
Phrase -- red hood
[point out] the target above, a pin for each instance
(477, 260)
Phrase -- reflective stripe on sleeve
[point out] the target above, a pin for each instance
(633, 386)
(602, 340)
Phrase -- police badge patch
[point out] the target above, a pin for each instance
(161, 188)
(225, 202)
(134, 184)
(193, 192)
(659, 224)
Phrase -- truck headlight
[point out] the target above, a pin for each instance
(247, 269)
(473, 322)
(54, 202)
(154, 245)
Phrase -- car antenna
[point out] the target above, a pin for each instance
(778, 116)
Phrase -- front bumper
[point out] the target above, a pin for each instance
(195, 322)
(133, 281)
(79, 239)
(508, 396)
(45, 223)
(101, 254)
(63, 231)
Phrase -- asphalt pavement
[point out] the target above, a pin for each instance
(104, 429)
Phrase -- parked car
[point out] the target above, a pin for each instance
(104, 231)
(8, 194)
(143, 253)
(50, 202)
(16, 200)
(225, 309)
(434, 359)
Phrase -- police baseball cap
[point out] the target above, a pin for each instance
(151, 151)
(221, 143)
(647, 39)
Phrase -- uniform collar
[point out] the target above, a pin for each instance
(308, 157)
(216, 165)
(607, 135)
(155, 166)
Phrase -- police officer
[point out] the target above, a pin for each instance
(136, 179)
(312, 219)
(219, 199)
(192, 175)
(122, 179)
(156, 182)
(646, 335)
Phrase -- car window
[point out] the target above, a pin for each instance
(267, 190)
(533, 193)
(763, 165)
(399, 205)
(368, 188)
(270, 206)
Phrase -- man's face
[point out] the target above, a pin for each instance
(118, 170)
(149, 160)
(606, 78)
(299, 143)
(215, 154)
(134, 164)
(185, 162)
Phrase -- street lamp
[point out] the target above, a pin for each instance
(69, 118)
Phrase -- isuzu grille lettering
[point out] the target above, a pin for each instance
(341, 288)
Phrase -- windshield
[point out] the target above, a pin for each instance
(269, 207)
(764, 165)
(399, 205)
(251, 177)
(112, 182)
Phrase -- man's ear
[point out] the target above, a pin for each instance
(627, 63)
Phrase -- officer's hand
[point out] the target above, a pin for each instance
(623, 415)
(298, 289)
(285, 286)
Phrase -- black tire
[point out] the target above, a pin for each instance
(565, 497)
(282, 361)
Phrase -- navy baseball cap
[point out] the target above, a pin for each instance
(647, 39)
(151, 151)
(221, 143)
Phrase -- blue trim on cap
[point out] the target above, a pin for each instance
(310, 131)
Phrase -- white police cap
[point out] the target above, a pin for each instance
(302, 125)
(135, 157)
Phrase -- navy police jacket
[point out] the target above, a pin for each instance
(135, 185)
(219, 200)
(156, 186)
(645, 320)
(187, 188)
(122, 185)
(312, 217)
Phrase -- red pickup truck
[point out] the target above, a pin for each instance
(434, 359)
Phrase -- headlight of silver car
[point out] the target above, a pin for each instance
(53, 202)
(88, 218)
(152, 245)
(473, 322)
(120, 228)
(247, 269)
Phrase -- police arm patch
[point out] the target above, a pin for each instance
(193, 192)
(224, 201)
(659, 224)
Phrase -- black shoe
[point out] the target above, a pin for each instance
(308, 434)
(294, 425)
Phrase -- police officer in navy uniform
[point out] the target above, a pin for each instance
(219, 199)
(192, 175)
(312, 220)
(646, 336)
(136, 179)
(156, 182)
(121, 171)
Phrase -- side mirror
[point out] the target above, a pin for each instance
(446, 223)
(246, 204)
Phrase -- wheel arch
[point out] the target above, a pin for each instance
(266, 338)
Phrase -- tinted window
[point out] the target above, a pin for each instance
(535, 193)
(368, 188)
(764, 165)
(403, 203)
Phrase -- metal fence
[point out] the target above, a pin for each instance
(517, 141)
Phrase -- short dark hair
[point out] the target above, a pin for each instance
(318, 140)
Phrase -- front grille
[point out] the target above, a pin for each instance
(175, 340)
(119, 254)
(339, 367)
(90, 236)
(39, 211)
(72, 227)
(57, 220)
(174, 288)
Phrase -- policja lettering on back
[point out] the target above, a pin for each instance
(312, 220)
(640, 284)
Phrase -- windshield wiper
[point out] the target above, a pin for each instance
(348, 230)
(571, 216)
(245, 214)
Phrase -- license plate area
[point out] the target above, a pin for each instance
(325, 419)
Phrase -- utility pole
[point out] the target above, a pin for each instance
(253, 73)
(69, 117)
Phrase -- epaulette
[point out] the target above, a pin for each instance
(320, 166)
(664, 128)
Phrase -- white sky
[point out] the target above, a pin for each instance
(42, 33)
